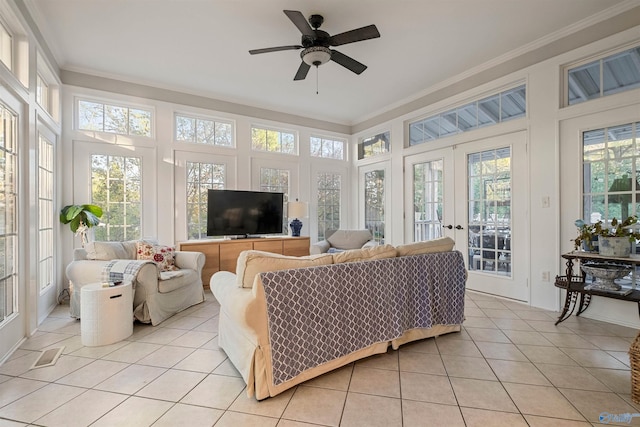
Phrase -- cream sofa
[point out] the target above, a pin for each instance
(284, 320)
(158, 295)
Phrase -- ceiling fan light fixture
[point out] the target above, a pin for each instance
(316, 55)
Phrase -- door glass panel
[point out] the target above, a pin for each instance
(489, 215)
(8, 225)
(374, 204)
(427, 200)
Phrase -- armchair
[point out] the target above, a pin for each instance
(342, 240)
(157, 296)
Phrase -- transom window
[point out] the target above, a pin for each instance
(494, 109)
(329, 187)
(327, 148)
(200, 178)
(611, 166)
(6, 47)
(204, 131)
(374, 145)
(605, 76)
(42, 92)
(116, 186)
(110, 118)
(275, 141)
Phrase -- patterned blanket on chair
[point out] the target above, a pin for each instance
(319, 314)
(123, 270)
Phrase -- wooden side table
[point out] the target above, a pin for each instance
(574, 285)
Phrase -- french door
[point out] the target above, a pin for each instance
(475, 193)
(13, 280)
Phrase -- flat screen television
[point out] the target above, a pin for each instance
(238, 213)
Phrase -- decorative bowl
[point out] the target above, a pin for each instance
(606, 274)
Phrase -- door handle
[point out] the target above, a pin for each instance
(459, 227)
(447, 226)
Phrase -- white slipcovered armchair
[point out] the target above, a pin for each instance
(342, 240)
(157, 295)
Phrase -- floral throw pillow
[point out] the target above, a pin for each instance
(161, 255)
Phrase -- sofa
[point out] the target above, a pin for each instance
(165, 281)
(342, 240)
(285, 320)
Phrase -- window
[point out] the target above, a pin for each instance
(610, 171)
(494, 109)
(8, 214)
(327, 148)
(200, 178)
(116, 183)
(608, 75)
(42, 92)
(375, 145)
(374, 204)
(121, 120)
(276, 181)
(329, 186)
(6, 47)
(428, 203)
(274, 141)
(45, 213)
(204, 131)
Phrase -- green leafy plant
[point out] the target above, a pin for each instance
(79, 216)
(587, 233)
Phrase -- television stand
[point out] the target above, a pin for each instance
(222, 255)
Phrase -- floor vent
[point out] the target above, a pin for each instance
(48, 358)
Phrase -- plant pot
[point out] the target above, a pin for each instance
(614, 246)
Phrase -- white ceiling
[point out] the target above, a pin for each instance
(201, 46)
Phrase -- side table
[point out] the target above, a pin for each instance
(574, 284)
(107, 313)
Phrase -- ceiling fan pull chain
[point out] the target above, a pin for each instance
(317, 72)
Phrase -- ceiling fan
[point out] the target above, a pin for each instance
(315, 44)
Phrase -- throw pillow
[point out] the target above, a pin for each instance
(163, 256)
(368, 254)
(349, 239)
(443, 244)
(250, 263)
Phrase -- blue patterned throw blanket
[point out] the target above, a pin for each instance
(319, 314)
(123, 270)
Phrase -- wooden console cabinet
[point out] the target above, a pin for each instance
(222, 255)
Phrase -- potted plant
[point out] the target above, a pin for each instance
(613, 240)
(80, 218)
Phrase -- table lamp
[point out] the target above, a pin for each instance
(296, 210)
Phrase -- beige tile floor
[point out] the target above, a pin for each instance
(510, 366)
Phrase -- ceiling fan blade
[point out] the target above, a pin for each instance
(300, 21)
(364, 33)
(347, 62)
(274, 49)
(302, 71)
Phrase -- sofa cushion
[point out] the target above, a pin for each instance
(250, 263)
(374, 252)
(349, 239)
(163, 256)
(107, 251)
(443, 244)
(176, 280)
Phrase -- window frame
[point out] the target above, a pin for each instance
(198, 117)
(600, 58)
(116, 104)
(296, 145)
